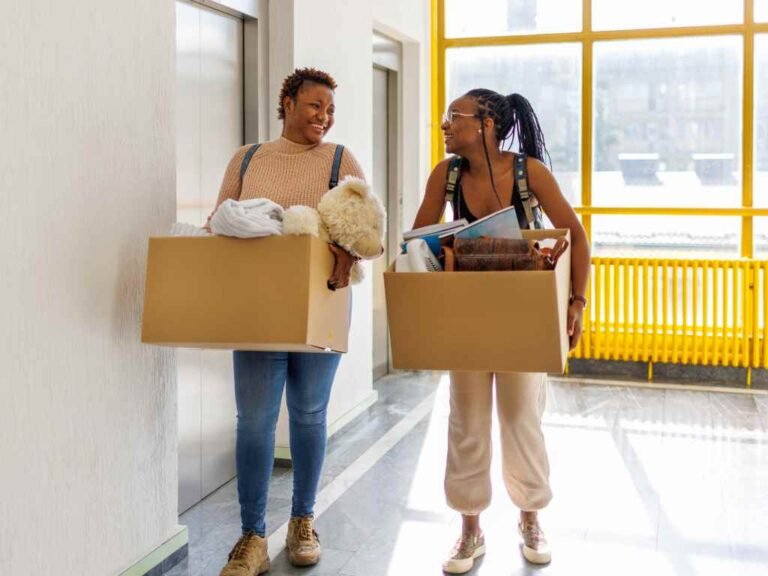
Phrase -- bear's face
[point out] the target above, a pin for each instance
(354, 217)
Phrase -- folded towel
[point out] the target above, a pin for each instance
(185, 229)
(248, 218)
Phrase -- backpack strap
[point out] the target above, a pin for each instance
(521, 175)
(452, 178)
(336, 166)
(247, 160)
(334, 169)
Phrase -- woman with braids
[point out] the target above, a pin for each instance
(297, 168)
(483, 178)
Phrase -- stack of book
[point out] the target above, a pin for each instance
(501, 224)
(432, 234)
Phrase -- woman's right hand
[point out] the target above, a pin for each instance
(575, 322)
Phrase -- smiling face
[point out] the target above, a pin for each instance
(461, 125)
(309, 117)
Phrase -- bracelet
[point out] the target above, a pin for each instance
(578, 298)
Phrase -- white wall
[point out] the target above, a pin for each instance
(337, 36)
(87, 413)
(88, 481)
(409, 23)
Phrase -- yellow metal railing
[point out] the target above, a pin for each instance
(705, 312)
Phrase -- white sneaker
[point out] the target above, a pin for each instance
(535, 546)
(464, 553)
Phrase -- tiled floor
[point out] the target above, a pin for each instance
(646, 481)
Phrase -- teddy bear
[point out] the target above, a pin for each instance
(349, 215)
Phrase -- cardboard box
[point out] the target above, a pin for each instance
(486, 321)
(255, 294)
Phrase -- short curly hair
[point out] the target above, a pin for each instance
(293, 83)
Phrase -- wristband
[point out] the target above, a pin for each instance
(578, 298)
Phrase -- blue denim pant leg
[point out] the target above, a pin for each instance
(259, 381)
(310, 377)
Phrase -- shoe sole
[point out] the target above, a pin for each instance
(535, 557)
(302, 562)
(479, 551)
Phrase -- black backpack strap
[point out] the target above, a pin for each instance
(532, 212)
(452, 178)
(336, 166)
(247, 160)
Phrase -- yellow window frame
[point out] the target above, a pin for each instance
(587, 37)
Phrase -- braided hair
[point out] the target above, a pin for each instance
(513, 117)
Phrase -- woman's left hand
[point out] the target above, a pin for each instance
(575, 322)
(341, 268)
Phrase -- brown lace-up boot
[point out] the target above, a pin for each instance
(248, 558)
(302, 542)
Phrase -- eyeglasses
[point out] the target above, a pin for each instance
(450, 116)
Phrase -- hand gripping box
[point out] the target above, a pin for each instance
(255, 294)
(485, 321)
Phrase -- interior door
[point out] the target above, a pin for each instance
(209, 128)
(381, 184)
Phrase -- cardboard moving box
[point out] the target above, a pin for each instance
(486, 321)
(256, 294)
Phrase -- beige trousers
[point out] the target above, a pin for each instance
(520, 401)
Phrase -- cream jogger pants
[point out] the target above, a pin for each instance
(520, 401)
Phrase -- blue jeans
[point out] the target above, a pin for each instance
(259, 381)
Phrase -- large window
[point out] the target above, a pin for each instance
(761, 237)
(761, 121)
(501, 17)
(618, 14)
(643, 107)
(647, 236)
(549, 76)
(667, 122)
(761, 10)
(761, 135)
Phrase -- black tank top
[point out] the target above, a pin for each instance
(461, 210)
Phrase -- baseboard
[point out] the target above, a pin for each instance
(164, 557)
(283, 453)
(658, 385)
(668, 372)
(380, 371)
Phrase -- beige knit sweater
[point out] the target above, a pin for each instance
(285, 172)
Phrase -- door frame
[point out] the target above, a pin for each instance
(387, 56)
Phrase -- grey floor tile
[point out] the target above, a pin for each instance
(331, 563)
(646, 481)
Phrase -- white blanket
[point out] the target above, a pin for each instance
(248, 218)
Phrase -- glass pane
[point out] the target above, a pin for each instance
(666, 236)
(760, 195)
(667, 117)
(502, 17)
(613, 15)
(761, 10)
(549, 76)
(760, 227)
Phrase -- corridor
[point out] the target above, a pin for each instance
(646, 481)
